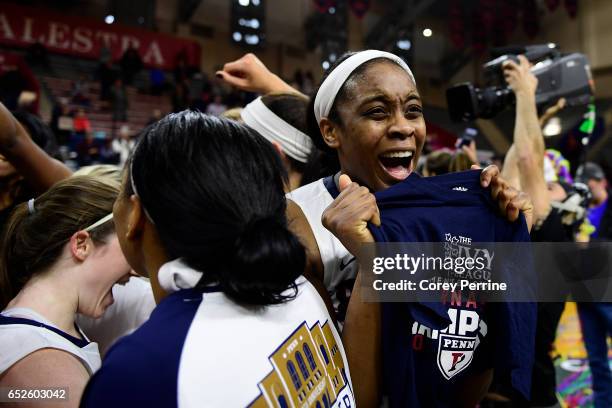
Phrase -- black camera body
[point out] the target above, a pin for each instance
(567, 76)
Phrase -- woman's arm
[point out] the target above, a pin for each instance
(298, 224)
(361, 338)
(250, 74)
(44, 369)
(39, 169)
(313, 272)
(510, 169)
(347, 218)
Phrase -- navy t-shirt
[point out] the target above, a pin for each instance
(429, 348)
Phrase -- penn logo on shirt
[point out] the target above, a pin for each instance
(455, 353)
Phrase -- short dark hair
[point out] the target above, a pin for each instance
(40, 132)
(292, 108)
(214, 190)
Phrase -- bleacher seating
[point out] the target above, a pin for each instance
(59, 79)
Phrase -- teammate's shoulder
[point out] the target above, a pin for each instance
(310, 191)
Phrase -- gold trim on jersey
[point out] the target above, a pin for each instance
(307, 368)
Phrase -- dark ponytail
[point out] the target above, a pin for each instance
(214, 190)
(265, 249)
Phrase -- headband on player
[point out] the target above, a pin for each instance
(326, 95)
(295, 144)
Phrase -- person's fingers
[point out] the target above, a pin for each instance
(233, 80)
(505, 198)
(344, 181)
(561, 103)
(497, 187)
(252, 59)
(238, 65)
(511, 76)
(341, 201)
(499, 195)
(510, 66)
(366, 211)
(352, 196)
(512, 213)
(522, 202)
(475, 167)
(376, 217)
(523, 61)
(489, 173)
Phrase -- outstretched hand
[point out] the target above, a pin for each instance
(519, 76)
(248, 73)
(348, 215)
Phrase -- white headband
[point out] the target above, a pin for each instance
(295, 144)
(331, 86)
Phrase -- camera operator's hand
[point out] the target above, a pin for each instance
(519, 77)
(527, 151)
(248, 73)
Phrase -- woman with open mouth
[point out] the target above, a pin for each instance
(368, 110)
(60, 256)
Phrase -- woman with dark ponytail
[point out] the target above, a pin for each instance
(202, 213)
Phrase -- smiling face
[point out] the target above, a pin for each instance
(382, 130)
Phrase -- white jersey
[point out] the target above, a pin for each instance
(201, 349)
(339, 268)
(23, 331)
(133, 304)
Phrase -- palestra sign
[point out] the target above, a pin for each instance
(24, 26)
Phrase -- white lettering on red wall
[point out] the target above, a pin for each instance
(24, 26)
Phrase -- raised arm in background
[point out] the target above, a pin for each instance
(39, 169)
(524, 161)
(248, 73)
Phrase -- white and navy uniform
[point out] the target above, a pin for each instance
(133, 304)
(23, 331)
(201, 349)
(339, 268)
